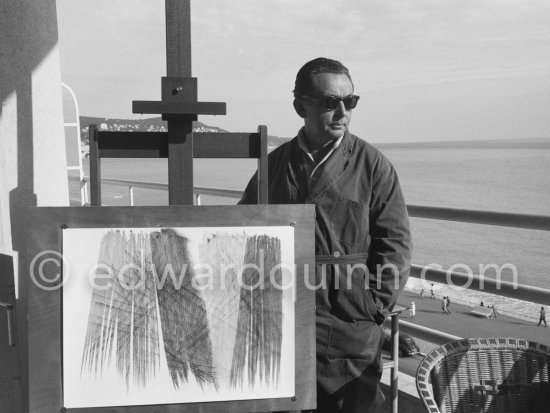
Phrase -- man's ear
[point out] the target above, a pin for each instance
(299, 108)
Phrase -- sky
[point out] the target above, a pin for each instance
(426, 70)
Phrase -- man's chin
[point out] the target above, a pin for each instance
(336, 133)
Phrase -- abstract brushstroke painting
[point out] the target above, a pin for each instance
(177, 315)
(259, 339)
(122, 322)
(186, 333)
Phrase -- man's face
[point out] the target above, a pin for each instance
(321, 124)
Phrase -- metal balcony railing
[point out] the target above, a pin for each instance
(197, 190)
(506, 289)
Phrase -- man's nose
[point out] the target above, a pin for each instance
(340, 109)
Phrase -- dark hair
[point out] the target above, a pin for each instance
(304, 78)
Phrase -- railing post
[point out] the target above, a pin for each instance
(394, 387)
(131, 195)
(84, 192)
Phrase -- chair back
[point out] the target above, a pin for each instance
(486, 375)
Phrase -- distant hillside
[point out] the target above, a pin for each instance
(158, 125)
(132, 125)
(148, 125)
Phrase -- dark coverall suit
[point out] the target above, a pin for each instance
(361, 218)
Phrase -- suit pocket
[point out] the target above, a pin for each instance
(350, 224)
(356, 340)
(353, 298)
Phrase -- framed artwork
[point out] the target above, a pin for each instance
(159, 309)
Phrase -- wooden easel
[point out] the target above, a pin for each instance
(179, 107)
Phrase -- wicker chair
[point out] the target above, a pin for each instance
(486, 375)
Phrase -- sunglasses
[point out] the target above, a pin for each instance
(332, 102)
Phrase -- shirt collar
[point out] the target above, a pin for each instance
(310, 165)
(302, 143)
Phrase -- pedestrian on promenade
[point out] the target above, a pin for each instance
(444, 308)
(493, 312)
(448, 304)
(422, 293)
(413, 309)
(542, 317)
(432, 291)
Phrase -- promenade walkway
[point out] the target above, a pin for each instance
(461, 322)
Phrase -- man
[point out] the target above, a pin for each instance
(494, 312)
(444, 308)
(542, 318)
(362, 234)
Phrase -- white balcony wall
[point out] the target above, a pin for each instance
(32, 157)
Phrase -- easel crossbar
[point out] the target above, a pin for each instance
(179, 108)
(155, 145)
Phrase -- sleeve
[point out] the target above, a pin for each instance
(250, 194)
(389, 259)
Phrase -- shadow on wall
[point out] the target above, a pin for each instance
(28, 33)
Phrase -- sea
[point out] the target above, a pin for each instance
(500, 175)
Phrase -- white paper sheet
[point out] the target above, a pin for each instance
(97, 381)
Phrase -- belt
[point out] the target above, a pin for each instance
(341, 259)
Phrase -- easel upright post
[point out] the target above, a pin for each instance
(262, 167)
(178, 38)
(180, 128)
(179, 105)
(95, 166)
